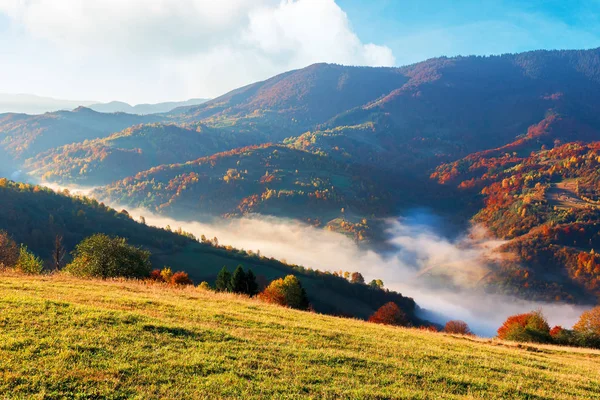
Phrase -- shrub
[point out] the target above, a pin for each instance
(28, 263)
(204, 286)
(9, 252)
(563, 336)
(389, 314)
(529, 327)
(457, 327)
(155, 275)
(102, 256)
(166, 274)
(181, 279)
(286, 291)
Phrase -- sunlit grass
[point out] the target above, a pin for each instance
(63, 337)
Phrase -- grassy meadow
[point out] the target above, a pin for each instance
(62, 337)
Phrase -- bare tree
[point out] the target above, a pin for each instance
(59, 252)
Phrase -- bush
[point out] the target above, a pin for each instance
(389, 314)
(181, 279)
(28, 263)
(204, 286)
(287, 292)
(530, 327)
(166, 274)
(457, 327)
(102, 256)
(155, 275)
(9, 252)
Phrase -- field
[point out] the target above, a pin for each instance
(62, 337)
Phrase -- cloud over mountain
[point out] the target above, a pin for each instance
(194, 47)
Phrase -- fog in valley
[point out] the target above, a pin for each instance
(440, 273)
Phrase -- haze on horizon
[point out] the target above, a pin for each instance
(158, 50)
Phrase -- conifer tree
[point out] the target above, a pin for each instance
(238, 280)
(251, 285)
(223, 280)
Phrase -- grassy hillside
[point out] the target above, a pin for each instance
(67, 338)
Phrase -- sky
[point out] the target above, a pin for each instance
(161, 50)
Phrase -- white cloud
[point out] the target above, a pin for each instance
(188, 47)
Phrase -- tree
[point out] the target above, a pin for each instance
(28, 263)
(102, 256)
(238, 280)
(223, 280)
(59, 252)
(457, 327)
(251, 285)
(376, 283)
(389, 314)
(529, 327)
(357, 278)
(286, 291)
(587, 328)
(9, 252)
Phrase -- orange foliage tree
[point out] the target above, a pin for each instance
(529, 327)
(589, 323)
(389, 314)
(457, 327)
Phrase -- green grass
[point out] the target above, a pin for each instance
(67, 338)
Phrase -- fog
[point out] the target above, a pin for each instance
(441, 273)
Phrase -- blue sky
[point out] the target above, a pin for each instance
(159, 50)
(416, 30)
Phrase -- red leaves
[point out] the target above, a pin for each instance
(389, 314)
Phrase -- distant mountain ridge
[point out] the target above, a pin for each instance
(34, 105)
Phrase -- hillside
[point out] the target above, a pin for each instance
(129, 340)
(34, 215)
(135, 149)
(267, 179)
(546, 204)
(24, 136)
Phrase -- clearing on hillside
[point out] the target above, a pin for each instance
(62, 337)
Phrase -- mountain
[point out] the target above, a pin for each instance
(291, 102)
(32, 104)
(23, 136)
(371, 141)
(144, 109)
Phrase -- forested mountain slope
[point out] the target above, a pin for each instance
(23, 135)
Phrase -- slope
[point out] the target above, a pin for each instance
(133, 150)
(129, 340)
(24, 136)
(270, 179)
(34, 215)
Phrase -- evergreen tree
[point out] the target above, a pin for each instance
(238, 280)
(223, 280)
(251, 285)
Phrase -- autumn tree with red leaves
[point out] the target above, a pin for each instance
(457, 327)
(389, 314)
(529, 327)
